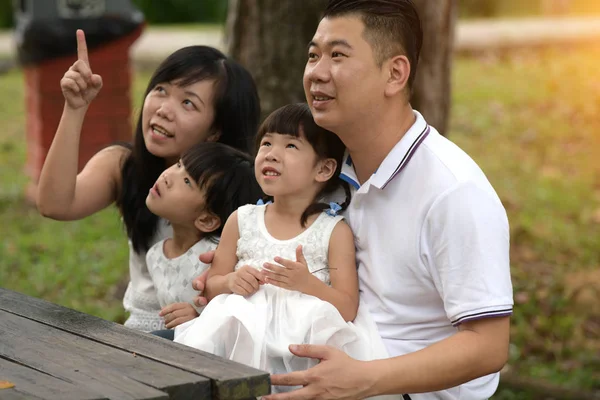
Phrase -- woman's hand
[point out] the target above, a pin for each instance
(79, 85)
(177, 313)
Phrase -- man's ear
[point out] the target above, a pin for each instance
(326, 170)
(398, 68)
(207, 222)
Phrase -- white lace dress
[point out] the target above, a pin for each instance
(257, 330)
(173, 277)
(140, 299)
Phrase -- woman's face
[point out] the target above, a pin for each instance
(174, 118)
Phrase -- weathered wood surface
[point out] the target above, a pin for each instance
(32, 384)
(113, 361)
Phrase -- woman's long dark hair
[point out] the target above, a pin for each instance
(237, 113)
(294, 119)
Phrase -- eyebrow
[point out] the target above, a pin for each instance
(332, 43)
(269, 134)
(192, 94)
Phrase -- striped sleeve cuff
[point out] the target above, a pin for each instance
(498, 312)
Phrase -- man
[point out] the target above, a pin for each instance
(431, 234)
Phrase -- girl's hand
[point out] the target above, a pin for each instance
(177, 313)
(245, 281)
(294, 275)
(79, 85)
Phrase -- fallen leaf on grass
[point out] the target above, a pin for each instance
(596, 216)
(6, 385)
(521, 297)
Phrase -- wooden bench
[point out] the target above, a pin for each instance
(52, 352)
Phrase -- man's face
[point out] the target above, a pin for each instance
(342, 82)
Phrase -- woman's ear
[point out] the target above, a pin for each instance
(207, 222)
(326, 170)
(214, 136)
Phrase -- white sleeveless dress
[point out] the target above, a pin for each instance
(140, 300)
(257, 330)
(173, 277)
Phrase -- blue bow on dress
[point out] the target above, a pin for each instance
(333, 209)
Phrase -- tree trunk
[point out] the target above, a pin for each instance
(432, 89)
(269, 37)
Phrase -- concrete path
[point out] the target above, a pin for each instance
(471, 36)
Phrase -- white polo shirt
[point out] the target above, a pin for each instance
(432, 244)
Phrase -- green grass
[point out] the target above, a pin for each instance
(531, 122)
(529, 119)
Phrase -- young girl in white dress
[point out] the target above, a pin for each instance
(196, 195)
(285, 271)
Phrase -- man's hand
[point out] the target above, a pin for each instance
(245, 281)
(177, 313)
(294, 275)
(337, 376)
(199, 282)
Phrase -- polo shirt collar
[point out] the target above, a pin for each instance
(395, 161)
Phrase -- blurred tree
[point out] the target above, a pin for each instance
(6, 14)
(269, 37)
(182, 11)
(432, 91)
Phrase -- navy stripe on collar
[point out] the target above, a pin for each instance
(411, 150)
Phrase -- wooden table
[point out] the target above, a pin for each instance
(52, 352)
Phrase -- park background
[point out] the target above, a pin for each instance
(529, 116)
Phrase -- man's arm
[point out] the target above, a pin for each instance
(479, 348)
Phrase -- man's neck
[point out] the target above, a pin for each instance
(369, 143)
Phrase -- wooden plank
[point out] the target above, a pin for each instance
(230, 380)
(14, 394)
(32, 384)
(101, 368)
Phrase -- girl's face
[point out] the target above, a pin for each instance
(176, 197)
(288, 165)
(175, 118)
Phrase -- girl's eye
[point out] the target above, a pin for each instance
(265, 143)
(178, 164)
(291, 146)
(159, 89)
(187, 181)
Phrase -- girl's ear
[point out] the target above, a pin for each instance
(207, 222)
(326, 170)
